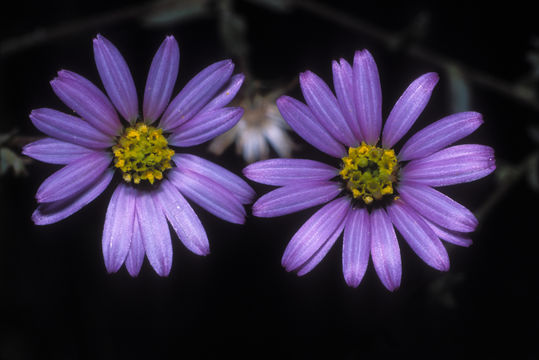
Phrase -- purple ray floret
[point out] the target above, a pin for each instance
(372, 192)
(109, 134)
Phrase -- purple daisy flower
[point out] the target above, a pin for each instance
(155, 178)
(373, 190)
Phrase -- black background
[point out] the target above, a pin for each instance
(58, 302)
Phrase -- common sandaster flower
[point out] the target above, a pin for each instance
(154, 177)
(374, 189)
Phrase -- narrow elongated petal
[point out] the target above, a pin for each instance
(295, 197)
(301, 119)
(155, 234)
(54, 151)
(325, 108)
(408, 108)
(205, 126)
(356, 246)
(69, 128)
(368, 96)
(316, 231)
(196, 94)
(182, 218)
(73, 177)
(118, 229)
(419, 235)
(440, 134)
(385, 251)
(437, 207)
(116, 78)
(135, 256)
(209, 195)
(83, 97)
(287, 171)
(161, 79)
(50, 213)
(232, 182)
(343, 81)
(321, 253)
(452, 237)
(226, 95)
(453, 165)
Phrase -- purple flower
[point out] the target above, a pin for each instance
(371, 190)
(155, 179)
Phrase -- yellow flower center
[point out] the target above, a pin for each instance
(369, 172)
(142, 153)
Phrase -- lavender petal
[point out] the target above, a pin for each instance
(295, 197)
(118, 229)
(437, 207)
(343, 81)
(287, 171)
(408, 108)
(419, 235)
(135, 256)
(452, 237)
(385, 251)
(69, 128)
(83, 97)
(227, 95)
(325, 108)
(303, 122)
(356, 246)
(368, 96)
(73, 177)
(49, 213)
(161, 79)
(440, 134)
(453, 165)
(54, 151)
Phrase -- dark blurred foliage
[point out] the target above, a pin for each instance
(58, 300)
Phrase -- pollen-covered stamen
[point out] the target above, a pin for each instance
(142, 153)
(369, 172)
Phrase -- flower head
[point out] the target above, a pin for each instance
(154, 175)
(371, 189)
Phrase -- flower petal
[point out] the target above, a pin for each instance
(288, 171)
(73, 177)
(452, 237)
(232, 182)
(385, 250)
(316, 231)
(453, 165)
(301, 119)
(440, 134)
(50, 213)
(155, 233)
(135, 256)
(368, 96)
(54, 151)
(419, 235)
(83, 97)
(69, 128)
(295, 197)
(118, 229)
(209, 195)
(182, 218)
(197, 93)
(205, 126)
(161, 79)
(437, 207)
(325, 108)
(226, 95)
(116, 78)
(408, 108)
(356, 246)
(343, 81)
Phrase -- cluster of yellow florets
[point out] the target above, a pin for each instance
(142, 153)
(369, 172)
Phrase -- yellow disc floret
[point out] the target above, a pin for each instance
(369, 172)
(142, 153)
